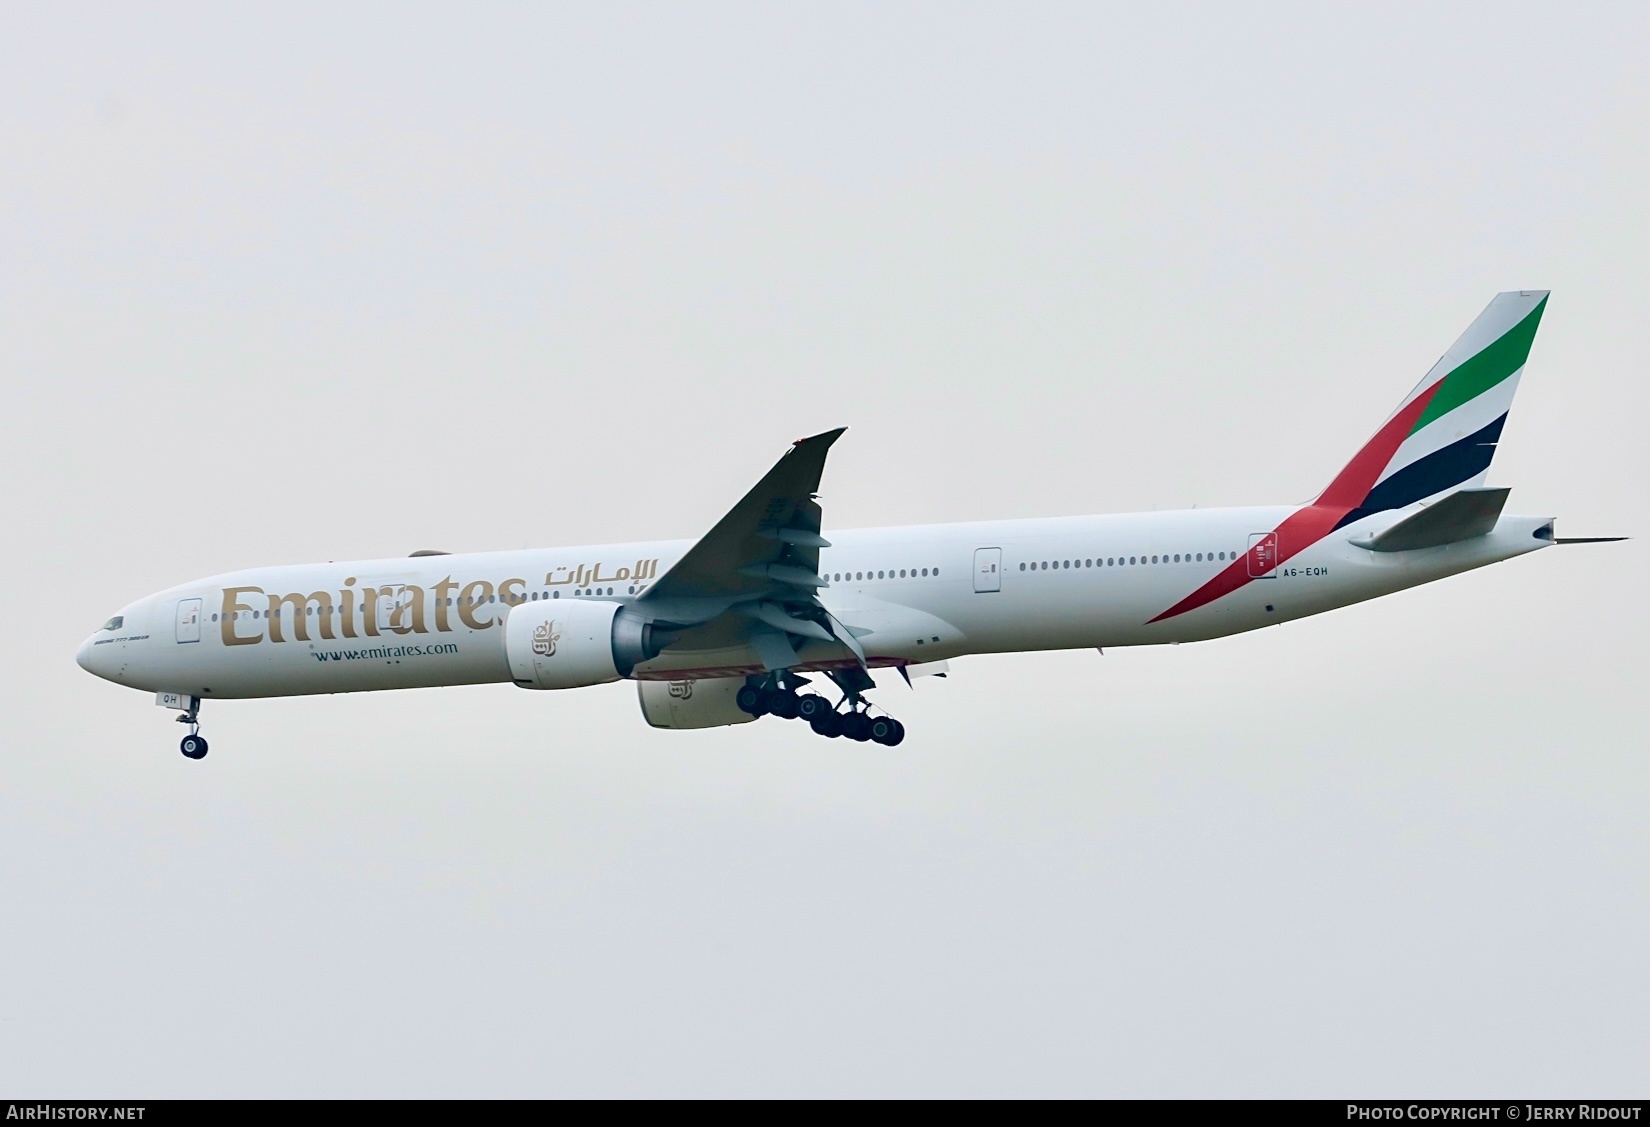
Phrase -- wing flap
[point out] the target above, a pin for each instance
(774, 649)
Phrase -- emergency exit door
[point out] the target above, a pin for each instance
(189, 620)
(1263, 555)
(394, 609)
(988, 570)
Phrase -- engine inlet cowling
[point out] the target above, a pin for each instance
(568, 644)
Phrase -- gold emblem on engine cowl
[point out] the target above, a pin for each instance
(545, 637)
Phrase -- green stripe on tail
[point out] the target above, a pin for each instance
(1480, 372)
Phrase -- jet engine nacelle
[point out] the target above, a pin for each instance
(571, 643)
(705, 703)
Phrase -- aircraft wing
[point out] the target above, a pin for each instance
(756, 573)
(768, 542)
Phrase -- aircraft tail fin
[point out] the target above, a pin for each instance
(1443, 435)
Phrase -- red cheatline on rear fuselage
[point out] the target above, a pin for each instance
(1305, 527)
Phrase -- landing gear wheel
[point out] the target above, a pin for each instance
(784, 705)
(812, 706)
(887, 731)
(750, 700)
(194, 747)
(856, 726)
(827, 724)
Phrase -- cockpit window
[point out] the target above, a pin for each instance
(115, 623)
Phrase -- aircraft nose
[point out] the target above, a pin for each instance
(83, 656)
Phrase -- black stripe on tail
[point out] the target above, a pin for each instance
(1462, 460)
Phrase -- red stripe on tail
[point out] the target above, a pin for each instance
(1305, 527)
(1354, 482)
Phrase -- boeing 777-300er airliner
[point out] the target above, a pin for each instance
(730, 627)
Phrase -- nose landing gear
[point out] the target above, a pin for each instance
(193, 745)
(776, 694)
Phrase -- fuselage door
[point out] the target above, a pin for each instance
(394, 606)
(1263, 555)
(189, 620)
(988, 570)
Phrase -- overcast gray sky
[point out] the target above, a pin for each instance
(337, 281)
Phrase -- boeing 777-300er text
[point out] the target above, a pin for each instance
(730, 627)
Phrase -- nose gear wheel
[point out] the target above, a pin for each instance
(193, 745)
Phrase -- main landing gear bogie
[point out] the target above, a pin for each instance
(827, 724)
(759, 698)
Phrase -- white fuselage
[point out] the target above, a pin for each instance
(912, 595)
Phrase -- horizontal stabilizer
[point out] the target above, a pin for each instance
(1460, 516)
(1589, 539)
